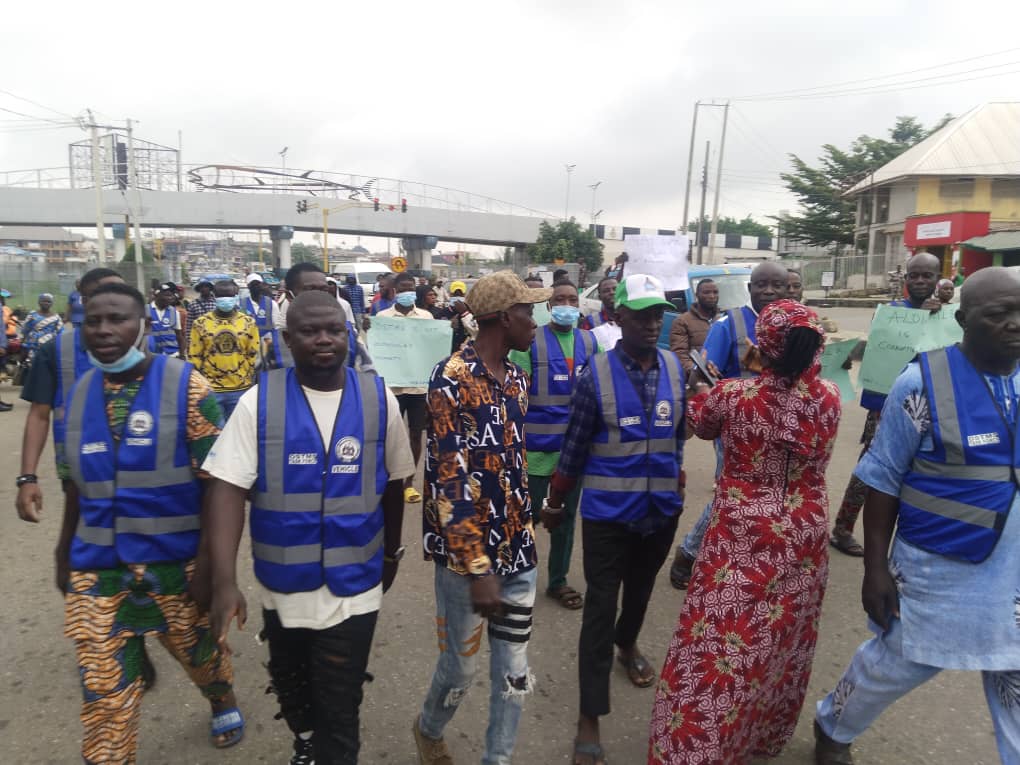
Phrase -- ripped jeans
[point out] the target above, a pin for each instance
(460, 640)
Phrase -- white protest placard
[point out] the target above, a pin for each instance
(405, 351)
(664, 257)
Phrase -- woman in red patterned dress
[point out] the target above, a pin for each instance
(738, 667)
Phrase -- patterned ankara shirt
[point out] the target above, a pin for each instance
(477, 512)
(225, 350)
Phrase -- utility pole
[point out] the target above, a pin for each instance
(133, 181)
(718, 184)
(594, 187)
(566, 205)
(690, 167)
(704, 193)
(97, 180)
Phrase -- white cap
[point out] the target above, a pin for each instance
(252, 277)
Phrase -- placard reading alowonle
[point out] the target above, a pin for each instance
(406, 350)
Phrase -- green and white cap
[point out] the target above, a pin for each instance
(640, 291)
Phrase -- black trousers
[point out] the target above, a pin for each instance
(614, 556)
(318, 677)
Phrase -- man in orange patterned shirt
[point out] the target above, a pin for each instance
(478, 520)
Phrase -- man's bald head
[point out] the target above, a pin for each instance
(986, 285)
(922, 276)
(769, 282)
(924, 260)
(313, 300)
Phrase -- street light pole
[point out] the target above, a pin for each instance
(594, 187)
(718, 184)
(566, 206)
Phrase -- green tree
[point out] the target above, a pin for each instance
(129, 254)
(826, 217)
(569, 241)
(303, 253)
(727, 225)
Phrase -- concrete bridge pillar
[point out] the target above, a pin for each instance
(280, 236)
(418, 251)
(519, 259)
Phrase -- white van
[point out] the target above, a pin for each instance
(366, 273)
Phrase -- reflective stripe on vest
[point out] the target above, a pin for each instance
(740, 338)
(540, 367)
(263, 321)
(334, 556)
(164, 336)
(596, 318)
(66, 353)
(281, 351)
(952, 502)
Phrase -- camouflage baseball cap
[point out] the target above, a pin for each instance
(499, 291)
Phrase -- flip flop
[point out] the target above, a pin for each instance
(639, 671)
(847, 545)
(228, 721)
(567, 597)
(680, 571)
(589, 749)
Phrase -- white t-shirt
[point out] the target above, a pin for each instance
(170, 312)
(234, 459)
(607, 335)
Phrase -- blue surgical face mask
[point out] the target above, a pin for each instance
(226, 304)
(132, 358)
(406, 299)
(565, 315)
(454, 299)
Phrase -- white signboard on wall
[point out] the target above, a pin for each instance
(940, 230)
(664, 257)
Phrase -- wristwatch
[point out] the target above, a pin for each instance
(396, 556)
(24, 478)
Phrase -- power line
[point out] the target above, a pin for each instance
(32, 116)
(879, 77)
(36, 103)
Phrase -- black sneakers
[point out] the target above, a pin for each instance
(304, 752)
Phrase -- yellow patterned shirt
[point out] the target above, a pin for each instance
(225, 350)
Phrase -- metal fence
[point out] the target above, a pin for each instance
(25, 281)
(849, 271)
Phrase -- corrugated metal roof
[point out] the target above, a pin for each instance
(983, 141)
(38, 234)
(997, 241)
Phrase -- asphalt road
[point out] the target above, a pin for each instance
(943, 723)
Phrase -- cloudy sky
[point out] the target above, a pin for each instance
(495, 97)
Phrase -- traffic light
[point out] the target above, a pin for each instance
(302, 206)
(403, 205)
(375, 204)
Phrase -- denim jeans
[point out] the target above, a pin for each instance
(460, 639)
(228, 401)
(692, 542)
(880, 674)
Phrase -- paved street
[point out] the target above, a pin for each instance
(943, 723)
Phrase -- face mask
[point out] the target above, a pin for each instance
(226, 304)
(565, 315)
(406, 299)
(454, 299)
(132, 358)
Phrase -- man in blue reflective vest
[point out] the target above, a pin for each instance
(305, 277)
(558, 353)
(166, 334)
(726, 352)
(922, 277)
(325, 450)
(624, 443)
(138, 426)
(942, 477)
(260, 305)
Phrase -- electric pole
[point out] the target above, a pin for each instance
(690, 167)
(718, 184)
(97, 180)
(133, 182)
(704, 193)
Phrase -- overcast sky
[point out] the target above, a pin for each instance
(495, 97)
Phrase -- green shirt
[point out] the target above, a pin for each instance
(544, 463)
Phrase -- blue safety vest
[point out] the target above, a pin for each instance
(139, 499)
(595, 319)
(163, 337)
(72, 363)
(633, 465)
(282, 358)
(552, 382)
(742, 332)
(955, 499)
(262, 313)
(317, 517)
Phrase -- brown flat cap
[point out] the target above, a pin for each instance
(499, 291)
